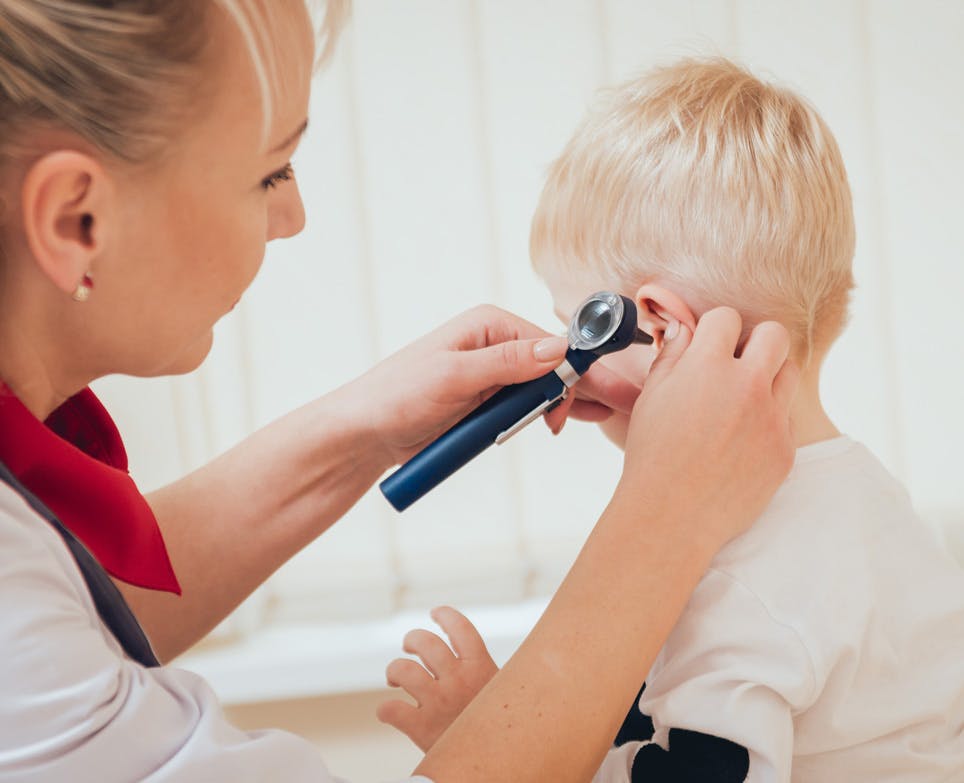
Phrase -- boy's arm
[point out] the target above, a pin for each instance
(721, 697)
(689, 756)
(443, 684)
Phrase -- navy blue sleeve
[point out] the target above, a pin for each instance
(692, 757)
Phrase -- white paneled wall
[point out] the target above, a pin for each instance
(429, 137)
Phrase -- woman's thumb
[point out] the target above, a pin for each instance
(676, 340)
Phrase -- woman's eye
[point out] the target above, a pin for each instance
(282, 175)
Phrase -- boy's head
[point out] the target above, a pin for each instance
(699, 185)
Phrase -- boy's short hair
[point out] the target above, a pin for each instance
(701, 175)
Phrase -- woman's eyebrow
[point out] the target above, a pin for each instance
(291, 139)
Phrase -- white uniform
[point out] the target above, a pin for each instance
(74, 708)
(828, 640)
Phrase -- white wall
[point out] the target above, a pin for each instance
(429, 137)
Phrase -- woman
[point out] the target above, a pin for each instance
(143, 166)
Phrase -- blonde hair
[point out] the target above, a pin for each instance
(703, 176)
(116, 74)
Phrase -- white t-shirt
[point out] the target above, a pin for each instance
(828, 640)
(74, 708)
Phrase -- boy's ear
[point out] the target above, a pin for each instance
(63, 200)
(657, 308)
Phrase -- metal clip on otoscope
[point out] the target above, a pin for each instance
(603, 323)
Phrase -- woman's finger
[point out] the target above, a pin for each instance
(513, 361)
(556, 418)
(718, 332)
(589, 411)
(488, 325)
(767, 347)
(786, 383)
(670, 353)
(435, 653)
(411, 677)
(603, 385)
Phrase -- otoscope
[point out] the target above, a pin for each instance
(603, 323)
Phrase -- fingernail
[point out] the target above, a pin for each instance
(672, 330)
(550, 348)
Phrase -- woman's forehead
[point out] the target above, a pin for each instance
(268, 52)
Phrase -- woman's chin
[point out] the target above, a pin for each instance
(190, 358)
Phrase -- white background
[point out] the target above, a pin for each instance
(429, 137)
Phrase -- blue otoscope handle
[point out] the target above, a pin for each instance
(470, 437)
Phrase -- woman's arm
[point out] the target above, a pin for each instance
(709, 443)
(232, 523)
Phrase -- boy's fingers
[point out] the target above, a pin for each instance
(435, 654)
(465, 638)
(402, 715)
(767, 347)
(407, 674)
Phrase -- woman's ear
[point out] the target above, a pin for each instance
(658, 308)
(63, 201)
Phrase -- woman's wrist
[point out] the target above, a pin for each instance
(347, 412)
(657, 510)
(342, 444)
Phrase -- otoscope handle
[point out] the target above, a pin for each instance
(497, 416)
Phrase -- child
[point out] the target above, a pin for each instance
(827, 643)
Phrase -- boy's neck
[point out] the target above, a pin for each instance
(807, 417)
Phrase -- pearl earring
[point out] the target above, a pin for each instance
(83, 289)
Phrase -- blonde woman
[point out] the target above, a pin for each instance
(116, 257)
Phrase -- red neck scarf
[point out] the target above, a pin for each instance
(76, 464)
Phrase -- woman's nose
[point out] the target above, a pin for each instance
(287, 212)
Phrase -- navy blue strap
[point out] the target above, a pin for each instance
(636, 726)
(692, 757)
(110, 604)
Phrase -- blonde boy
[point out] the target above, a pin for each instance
(826, 643)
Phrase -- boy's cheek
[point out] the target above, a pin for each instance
(632, 363)
(615, 428)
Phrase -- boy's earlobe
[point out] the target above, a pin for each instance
(659, 309)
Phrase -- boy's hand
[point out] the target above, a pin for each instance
(443, 684)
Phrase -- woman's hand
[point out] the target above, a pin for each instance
(714, 427)
(447, 679)
(414, 395)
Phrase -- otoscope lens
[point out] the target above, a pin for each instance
(595, 319)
